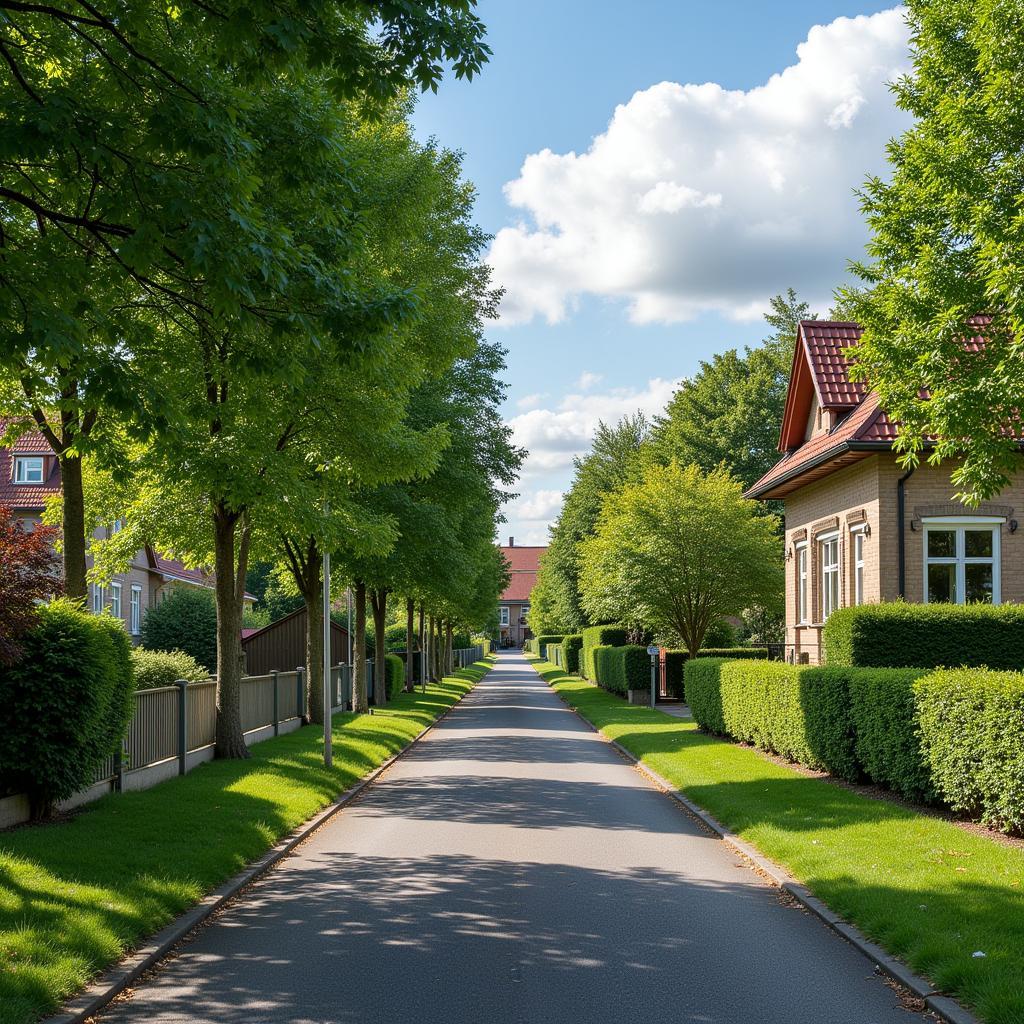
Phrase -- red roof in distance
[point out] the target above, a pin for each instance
(523, 565)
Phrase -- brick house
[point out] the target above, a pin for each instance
(514, 603)
(860, 528)
(29, 475)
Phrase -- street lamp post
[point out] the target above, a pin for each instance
(328, 753)
(653, 652)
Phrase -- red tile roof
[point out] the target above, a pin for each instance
(523, 565)
(825, 343)
(27, 497)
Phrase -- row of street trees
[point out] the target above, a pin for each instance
(245, 306)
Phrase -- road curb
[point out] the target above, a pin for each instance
(115, 980)
(943, 1006)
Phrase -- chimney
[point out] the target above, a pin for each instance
(511, 542)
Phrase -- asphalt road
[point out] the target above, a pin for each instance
(512, 868)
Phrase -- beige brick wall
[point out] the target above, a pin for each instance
(866, 492)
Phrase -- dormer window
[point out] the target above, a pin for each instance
(28, 469)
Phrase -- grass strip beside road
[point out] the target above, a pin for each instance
(76, 895)
(928, 891)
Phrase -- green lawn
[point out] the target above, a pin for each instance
(76, 895)
(923, 888)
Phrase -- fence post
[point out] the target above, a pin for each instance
(300, 692)
(182, 685)
(277, 715)
(119, 767)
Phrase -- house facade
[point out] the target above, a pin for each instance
(859, 527)
(514, 603)
(30, 475)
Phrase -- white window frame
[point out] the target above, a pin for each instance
(505, 614)
(858, 538)
(116, 526)
(22, 471)
(803, 579)
(959, 524)
(826, 606)
(135, 610)
(115, 599)
(99, 599)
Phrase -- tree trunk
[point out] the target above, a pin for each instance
(360, 705)
(410, 651)
(312, 594)
(73, 526)
(435, 648)
(230, 589)
(449, 656)
(379, 603)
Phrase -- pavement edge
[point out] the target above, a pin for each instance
(942, 1005)
(115, 980)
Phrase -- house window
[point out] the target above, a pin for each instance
(115, 600)
(135, 611)
(504, 615)
(801, 583)
(28, 469)
(961, 561)
(116, 527)
(858, 567)
(829, 548)
(99, 599)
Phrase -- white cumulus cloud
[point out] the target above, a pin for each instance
(701, 198)
(541, 505)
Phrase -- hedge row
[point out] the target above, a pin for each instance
(394, 668)
(954, 735)
(676, 660)
(599, 636)
(572, 644)
(538, 643)
(622, 668)
(930, 635)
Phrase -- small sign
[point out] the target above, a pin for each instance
(653, 651)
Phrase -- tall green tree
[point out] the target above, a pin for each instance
(677, 551)
(946, 246)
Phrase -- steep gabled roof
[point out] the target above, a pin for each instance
(524, 562)
(27, 497)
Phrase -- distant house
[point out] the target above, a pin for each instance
(515, 601)
(30, 474)
(859, 528)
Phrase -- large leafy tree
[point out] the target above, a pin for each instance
(947, 243)
(729, 413)
(677, 551)
(615, 458)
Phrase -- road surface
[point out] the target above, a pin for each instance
(513, 869)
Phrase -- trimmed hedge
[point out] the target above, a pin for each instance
(599, 636)
(572, 644)
(153, 669)
(394, 670)
(849, 722)
(185, 621)
(620, 669)
(66, 703)
(900, 635)
(538, 643)
(675, 662)
(972, 736)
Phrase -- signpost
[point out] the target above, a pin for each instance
(654, 652)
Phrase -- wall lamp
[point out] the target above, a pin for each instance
(1013, 526)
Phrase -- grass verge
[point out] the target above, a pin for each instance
(928, 891)
(76, 895)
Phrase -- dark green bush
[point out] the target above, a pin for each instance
(675, 663)
(163, 668)
(703, 692)
(720, 633)
(572, 644)
(185, 621)
(620, 669)
(972, 739)
(65, 705)
(743, 653)
(603, 672)
(900, 635)
(887, 742)
(394, 667)
(599, 636)
(541, 641)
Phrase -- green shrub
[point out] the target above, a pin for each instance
(900, 635)
(743, 653)
(540, 642)
(394, 667)
(599, 636)
(972, 738)
(153, 669)
(719, 634)
(675, 663)
(185, 621)
(572, 644)
(66, 704)
(887, 741)
(620, 669)
(799, 713)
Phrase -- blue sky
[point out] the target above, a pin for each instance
(663, 185)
